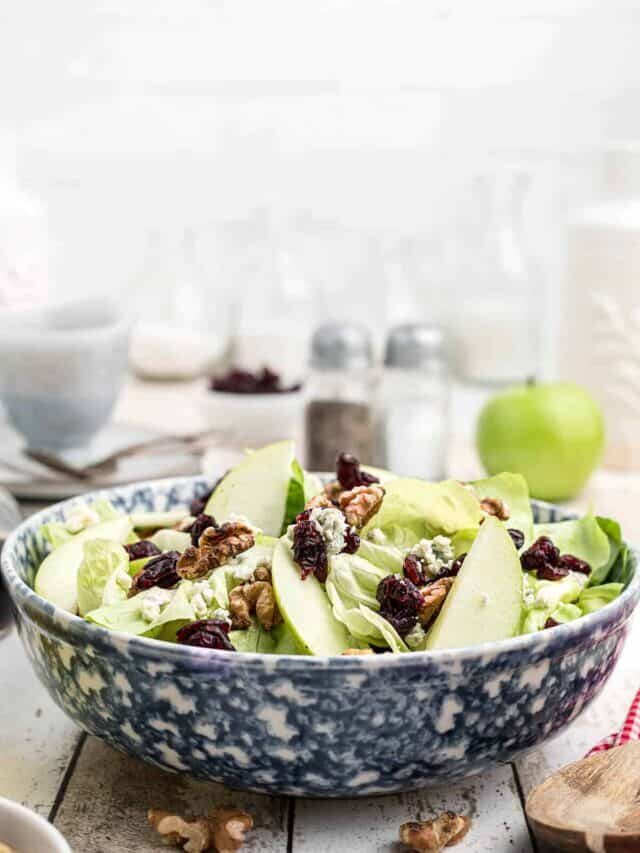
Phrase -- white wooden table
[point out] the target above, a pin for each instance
(99, 798)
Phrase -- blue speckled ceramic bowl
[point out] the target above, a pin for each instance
(342, 726)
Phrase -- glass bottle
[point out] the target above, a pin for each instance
(339, 391)
(412, 411)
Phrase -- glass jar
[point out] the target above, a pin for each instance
(340, 388)
(412, 409)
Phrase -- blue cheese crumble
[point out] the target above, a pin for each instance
(435, 554)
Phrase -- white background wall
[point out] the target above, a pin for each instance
(131, 115)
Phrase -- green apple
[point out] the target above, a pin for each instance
(305, 607)
(485, 602)
(57, 578)
(257, 488)
(551, 433)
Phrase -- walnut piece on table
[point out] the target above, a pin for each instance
(223, 831)
(431, 836)
(4, 848)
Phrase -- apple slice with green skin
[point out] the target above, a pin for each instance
(305, 607)
(485, 602)
(57, 577)
(257, 488)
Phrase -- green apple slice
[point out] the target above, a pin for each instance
(256, 488)
(57, 577)
(305, 607)
(485, 602)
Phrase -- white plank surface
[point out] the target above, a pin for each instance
(36, 739)
(105, 805)
(372, 825)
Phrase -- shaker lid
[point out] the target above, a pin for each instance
(414, 345)
(338, 346)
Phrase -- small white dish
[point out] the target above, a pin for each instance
(26, 832)
(253, 420)
(61, 368)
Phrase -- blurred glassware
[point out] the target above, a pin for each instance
(61, 369)
(599, 344)
(497, 325)
(183, 309)
(339, 392)
(412, 403)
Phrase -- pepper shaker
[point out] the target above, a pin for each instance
(340, 389)
(412, 408)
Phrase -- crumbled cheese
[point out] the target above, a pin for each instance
(221, 615)
(243, 569)
(376, 536)
(123, 579)
(435, 554)
(416, 637)
(153, 602)
(201, 588)
(81, 518)
(332, 526)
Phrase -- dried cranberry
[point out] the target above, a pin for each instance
(455, 567)
(542, 553)
(143, 548)
(551, 623)
(349, 474)
(201, 523)
(547, 572)
(197, 505)
(574, 564)
(207, 634)
(159, 571)
(414, 570)
(309, 549)
(517, 536)
(351, 541)
(237, 381)
(400, 602)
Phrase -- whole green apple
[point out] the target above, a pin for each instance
(551, 433)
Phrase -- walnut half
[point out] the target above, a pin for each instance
(433, 835)
(495, 506)
(223, 831)
(434, 595)
(360, 504)
(217, 546)
(258, 598)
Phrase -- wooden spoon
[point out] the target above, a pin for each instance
(591, 806)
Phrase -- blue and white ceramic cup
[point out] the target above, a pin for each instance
(61, 368)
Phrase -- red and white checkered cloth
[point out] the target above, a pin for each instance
(629, 731)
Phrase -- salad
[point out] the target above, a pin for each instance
(273, 561)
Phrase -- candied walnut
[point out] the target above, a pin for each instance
(258, 598)
(193, 836)
(217, 546)
(434, 595)
(4, 848)
(353, 652)
(262, 572)
(495, 506)
(361, 504)
(433, 835)
(320, 501)
(228, 827)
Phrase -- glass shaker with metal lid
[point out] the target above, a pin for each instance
(412, 409)
(340, 388)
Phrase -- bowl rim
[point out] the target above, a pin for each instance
(25, 816)
(75, 630)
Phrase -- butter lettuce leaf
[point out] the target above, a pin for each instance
(102, 560)
(126, 616)
(296, 497)
(596, 597)
(414, 509)
(386, 557)
(514, 491)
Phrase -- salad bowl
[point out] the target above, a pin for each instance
(308, 726)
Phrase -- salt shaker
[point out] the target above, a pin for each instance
(340, 388)
(412, 408)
